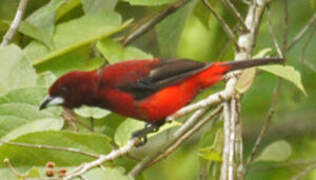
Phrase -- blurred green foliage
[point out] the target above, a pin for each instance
(58, 36)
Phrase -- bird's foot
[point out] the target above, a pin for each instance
(142, 134)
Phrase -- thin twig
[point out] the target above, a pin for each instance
(225, 26)
(301, 33)
(15, 23)
(265, 125)
(50, 147)
(304, 172)
(14, 171)
(286, 27)
(180, 132)
(292, 164)
(275, 41)
(102, 158)
(236, 13)
(189, 133)
(152, 21)
(305, 47)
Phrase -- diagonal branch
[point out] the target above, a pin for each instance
(50, 147)
(300, 34)
(150, 22)
(15, 23)
(229, 4)
(225, 26)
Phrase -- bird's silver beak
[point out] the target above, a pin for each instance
(50, 101)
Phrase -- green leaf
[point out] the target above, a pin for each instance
(213, 152)
(46, 79)
(98, 6)
(114, 52)
(15, 70)
(33, 173)
(246, 78)
(36, 33)
(28, 157)
(277, 151)
(125, 129)
(92, 112)
(20, 114)
(169, 39)
(124, 132)
(76, 33)
(76, 60)
(41, 24)
(107, 174)
(286, 72)
(66, 8)
(149, 2)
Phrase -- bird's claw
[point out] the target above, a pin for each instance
(142, 134)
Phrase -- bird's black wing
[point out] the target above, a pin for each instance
(166, 73)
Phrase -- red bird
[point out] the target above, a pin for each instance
(148, 90)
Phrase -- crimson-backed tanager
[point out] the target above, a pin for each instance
(148, 90)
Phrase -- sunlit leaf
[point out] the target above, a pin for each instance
(76, 33)
(129, 126)
(33, 173)
(246, 78)
(98, 6)
(286, 72)
(107, 174)
(213, 153)
(277, 151)
(149, 2)
(15, 70)
(114, 52)
(169, 39)
(92, 112)
(28, 157)
(20, 113)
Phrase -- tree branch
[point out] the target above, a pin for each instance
(180, 132)
(50, 147)
(225, 26)
(301, 33)
(150, 22)
(229, 4)
(15, 23)
(102, 158)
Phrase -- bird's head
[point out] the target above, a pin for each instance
(72, 90)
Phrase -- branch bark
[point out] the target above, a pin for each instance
(15, 23)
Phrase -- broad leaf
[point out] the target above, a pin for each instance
(114, 52)
(98, 6)
(27, 156)
(41, 24)
(129, 126)
(248, 75)
(92, 112)
(277, 151)
(15, 70)
(107, 174)
(286, 72)
(170, 30)
(149, 2)
(20, 114)
(74, 34)
(76, 60)
(214, 152)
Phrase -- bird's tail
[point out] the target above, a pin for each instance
(235, 65)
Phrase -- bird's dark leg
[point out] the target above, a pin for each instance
(142, 134)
